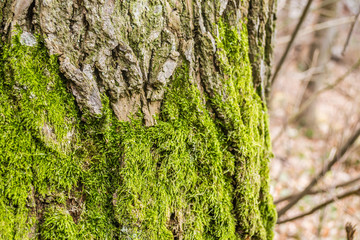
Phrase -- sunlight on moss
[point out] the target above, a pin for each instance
(189, 176)
(58, 224)
(38, 121)
(246, 122)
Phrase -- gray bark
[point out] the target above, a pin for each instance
(126, 58)
(130, 49)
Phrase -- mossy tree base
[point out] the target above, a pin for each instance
(200, 171)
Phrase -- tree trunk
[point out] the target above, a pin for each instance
(320, 53)
(135, 119)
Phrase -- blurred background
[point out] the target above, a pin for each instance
(314, 109)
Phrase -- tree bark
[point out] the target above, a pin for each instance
(135, 119)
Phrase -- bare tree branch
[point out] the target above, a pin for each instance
(323, 190)
(317, 27)
(338, 156)
(351, 32)
(320, 206)
(350, 231)
(306, 104)
(323, 4)
(296, 115)
(297, 28)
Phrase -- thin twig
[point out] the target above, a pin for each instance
(314, 63)
(297, 28)
(321, 222)
(307, 103)
(324, 4)
(319, 26)
(351, 32)
(337, 157)
(280, 133)
(323, 190)
(350, 231)
(309, 75)
(320, 206)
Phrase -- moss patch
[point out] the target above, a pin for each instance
(38, 126)
(58, 224)
(167, 180)
(246, 125)
(190, 176)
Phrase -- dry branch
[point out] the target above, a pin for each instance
(323, 190)
(338, 156)
(317, 27)
(293, 36)
(307, 103)
(351, 31)
(322, 205)
(350, 231)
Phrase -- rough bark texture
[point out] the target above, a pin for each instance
(135, 119)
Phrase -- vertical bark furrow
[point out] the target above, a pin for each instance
(261, 16)
(162, 135)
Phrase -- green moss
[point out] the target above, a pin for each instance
(190, 175)
(160, 181)
(58, 224)
(37, 122)
(246, 124)
(174, 172)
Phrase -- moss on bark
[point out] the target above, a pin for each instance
(193, 175)
(38, 122)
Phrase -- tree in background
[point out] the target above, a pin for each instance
(319, 56)
(135, 119)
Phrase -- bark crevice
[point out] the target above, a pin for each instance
(161, 134)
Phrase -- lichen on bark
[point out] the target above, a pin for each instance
(181, 153)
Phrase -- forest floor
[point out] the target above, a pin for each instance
(300, 154)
